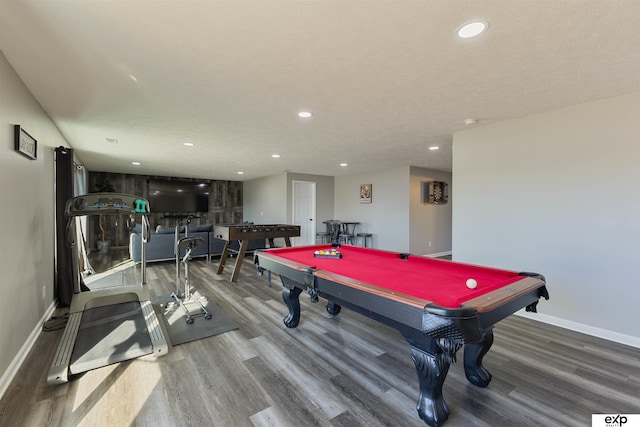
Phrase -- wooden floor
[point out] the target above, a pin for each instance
(330, 371)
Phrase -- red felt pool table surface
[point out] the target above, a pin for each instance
(439, 281)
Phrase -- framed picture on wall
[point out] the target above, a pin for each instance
(365, 193)
(24, 143)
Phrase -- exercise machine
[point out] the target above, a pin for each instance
(110, 325)
(187, 298)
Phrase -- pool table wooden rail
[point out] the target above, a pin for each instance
(530, 288)
(483, 303)
(373, 289)
(502, 296)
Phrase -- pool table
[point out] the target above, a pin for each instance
(425, 299)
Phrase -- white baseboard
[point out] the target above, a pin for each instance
(17, 361)
(582, 328)
(438, 254)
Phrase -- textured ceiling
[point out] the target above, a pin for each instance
(384, 79)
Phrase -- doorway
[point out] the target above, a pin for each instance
(304, 212)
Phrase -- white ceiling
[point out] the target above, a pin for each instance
(384, 79)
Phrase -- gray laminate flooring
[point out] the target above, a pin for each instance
(346, 370)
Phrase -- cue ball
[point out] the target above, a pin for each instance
(471, 283)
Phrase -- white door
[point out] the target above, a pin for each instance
(304, 212)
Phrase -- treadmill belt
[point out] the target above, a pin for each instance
(108, 335)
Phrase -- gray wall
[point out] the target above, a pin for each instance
(559, 193)
(387, 216)
(268, 200)
(430, 224)
(27, 216)
(324, 196)
(265, 199)
(396, 217)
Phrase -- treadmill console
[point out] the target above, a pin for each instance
(106, 203)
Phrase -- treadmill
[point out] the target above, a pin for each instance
(108, 325)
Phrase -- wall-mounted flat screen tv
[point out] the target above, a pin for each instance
(178, 196)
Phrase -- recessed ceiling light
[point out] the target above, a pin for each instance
(135, 163)
(275, 156)
(189, 144)
(343, 164)
(472, 29)
(133, 78)
(111, 140)
(304, 114)
(240, 173)
(433, 148)
(470, 121)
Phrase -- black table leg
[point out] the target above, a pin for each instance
(291, 297)
(473, 354)
(432, 369)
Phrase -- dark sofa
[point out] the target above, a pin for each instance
(160, 246)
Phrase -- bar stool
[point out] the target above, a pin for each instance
(364, 237)
(348, 233)
(333, 228)
(347, 239)
(323, 237)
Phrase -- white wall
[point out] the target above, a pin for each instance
(27, 218)
(387, 217)
(559, 194)
(430, 224)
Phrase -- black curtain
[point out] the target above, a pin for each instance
(64, 191)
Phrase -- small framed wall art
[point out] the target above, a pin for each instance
(25, 144)
(365, 193)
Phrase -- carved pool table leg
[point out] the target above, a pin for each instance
(291, 297)
(473, 355)
(432, 370)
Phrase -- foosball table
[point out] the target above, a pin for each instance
(246, 232)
